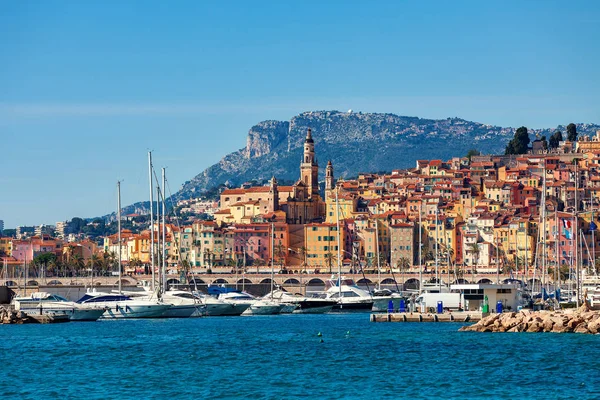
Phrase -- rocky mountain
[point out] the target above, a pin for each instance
(354, 142)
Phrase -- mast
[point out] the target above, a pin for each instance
(159, 274)
(164, 234)
(377, 251)
(272, 256)
(151, 218)
(436, 251)
(420, 248)
(575, 233)
(557, 238)
(119, 228)
(544, 270)
(337, 221)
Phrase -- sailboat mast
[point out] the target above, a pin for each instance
(544, 227)
(119, 228)
(378, 259)
(337, 220)
(158, 245)
(420, 247)
(272, 256)
(164, 234)
(575, 233)
(436, 250)
(557, 238)
(151, 218)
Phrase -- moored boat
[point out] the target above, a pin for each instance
(43, 303)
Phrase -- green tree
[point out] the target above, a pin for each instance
(471, 153)
(544, 143)
(520, 143)
(571, 132)
(555, 139)
(330, 259)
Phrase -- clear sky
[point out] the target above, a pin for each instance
(88, 87)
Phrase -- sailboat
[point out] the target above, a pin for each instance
(118, 305)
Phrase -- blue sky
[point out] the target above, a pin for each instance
(88, 87)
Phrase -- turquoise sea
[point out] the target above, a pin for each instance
(281, 357)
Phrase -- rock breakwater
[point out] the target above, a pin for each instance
(581, 320)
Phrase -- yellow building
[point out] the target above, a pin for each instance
(517, 239)
(346, 207)
(321, 243)
(6, 245)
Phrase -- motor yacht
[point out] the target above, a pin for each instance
(43, 303)
(350, 297)
(256, 306)
(120, 306)
(218, 308)
(301, 304)
(183, 304)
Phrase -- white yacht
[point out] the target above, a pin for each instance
(301, 304)
(121, 306)
(43, 303)
(350, 297)
(218, 308)
(255, 306)
(183, 304)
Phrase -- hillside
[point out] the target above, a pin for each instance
(354, 142)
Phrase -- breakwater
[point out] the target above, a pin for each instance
(581, 320)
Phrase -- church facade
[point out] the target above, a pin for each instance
(300, 203)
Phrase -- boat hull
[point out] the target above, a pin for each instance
(314, 307)
(263, 309)
(225, 309)
(183, 311)
(135, 311)
(356, 306)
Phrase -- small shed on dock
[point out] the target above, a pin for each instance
(473, 296)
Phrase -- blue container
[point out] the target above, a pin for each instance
(440, 308)
(402, 306)
(499, 307)
(390, 306)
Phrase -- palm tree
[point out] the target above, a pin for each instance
(330, 259)
(403, 264)
(303, 251)
(280, 253)
(259, 262)
(77, 263)
(474, 248)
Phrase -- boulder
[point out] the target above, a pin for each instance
(594, 326)
(548, 323)
(581, 328)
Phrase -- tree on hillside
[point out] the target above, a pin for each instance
(471, 153)
(544, 143)
(571, 132)
(520, 143)
(555, 139)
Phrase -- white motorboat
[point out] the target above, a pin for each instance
(121, 306)
(183, 304)
(43, 303)
(350, 297)
(301, 304)
(218, 308)
(256, 306)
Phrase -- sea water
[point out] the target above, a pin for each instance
(283, 357)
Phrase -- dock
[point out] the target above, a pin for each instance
(459, 316)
